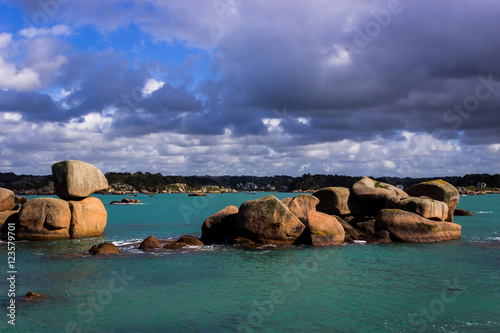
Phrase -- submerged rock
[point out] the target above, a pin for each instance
(175, 246)
(150, 243)
(104, 248)
(462, 212)
(409, 227)
(189, 240)
(33, 295)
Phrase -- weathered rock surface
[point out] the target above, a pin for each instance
(268, 221)
(438, 190)
(301, 205)
(88, 218)
(425, 207)
(7, 200)
(6, 219)
(21, 200)
(189, 240)
(409, 227)
(77, 179)
(150, 243)
(324, 229)
(370, 191)
(104, 248)
(44, 219)
(338, 201)
(220, 226)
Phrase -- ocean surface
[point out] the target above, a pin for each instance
(437, 287)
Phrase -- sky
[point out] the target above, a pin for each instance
(251, 87)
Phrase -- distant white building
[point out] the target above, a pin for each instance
(481, 184)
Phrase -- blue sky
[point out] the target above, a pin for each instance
(395, 88)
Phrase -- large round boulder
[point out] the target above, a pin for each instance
(405, 226)
(301, 205)
(44, 219)
(7, 200)
(438, 190)
(220, 226)
(324, 230)
(337, 201)
(77, 179)
(373, 192)
(425, 207)
(88, 217)
(268, 221)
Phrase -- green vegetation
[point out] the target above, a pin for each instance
(158, 182)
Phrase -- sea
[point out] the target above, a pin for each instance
(451, 286)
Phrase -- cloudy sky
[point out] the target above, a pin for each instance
(254, 87)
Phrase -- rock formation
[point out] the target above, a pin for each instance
(77, 179)
(371, 211)
(75, 215)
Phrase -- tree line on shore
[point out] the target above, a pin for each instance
(278, 183)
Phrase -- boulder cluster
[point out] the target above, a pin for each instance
(74, 214)
(370, 211)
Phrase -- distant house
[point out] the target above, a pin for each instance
(481, 184)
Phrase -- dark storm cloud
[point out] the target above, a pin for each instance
(33, 106)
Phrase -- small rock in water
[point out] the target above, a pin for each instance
(104, 248)
(32, 295)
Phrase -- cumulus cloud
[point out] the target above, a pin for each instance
(381, 87)
(57, 30)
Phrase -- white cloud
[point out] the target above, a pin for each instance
(57, 30)
(12, 78)
(5, 39)
(151, 86)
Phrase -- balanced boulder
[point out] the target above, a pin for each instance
(7, 200)
(373, 192)
(220, 226)
(438, 190)
(425, 207)
(88, 218)
(44, 219)
(324, 229)
(268, 221)
(77, 179)
(337, 201)
(405, 226)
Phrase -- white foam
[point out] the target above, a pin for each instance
(484, 212)
(360, 242)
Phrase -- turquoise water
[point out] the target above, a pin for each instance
(440, 287)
